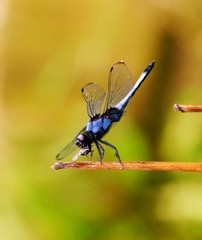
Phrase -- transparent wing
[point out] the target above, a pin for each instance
(70, 148)
(94, 95)
(120, 83)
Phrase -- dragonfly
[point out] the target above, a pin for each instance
(121, 89)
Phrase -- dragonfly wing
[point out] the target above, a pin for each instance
(94, 95)
(119, 84)
(67, 150)
(70, 148)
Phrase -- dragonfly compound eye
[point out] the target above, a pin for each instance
(81, 141)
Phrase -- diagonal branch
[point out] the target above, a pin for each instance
(149, 166)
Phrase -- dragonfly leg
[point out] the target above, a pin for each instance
(100, 150)
(113, 147)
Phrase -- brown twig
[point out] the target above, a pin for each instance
(187, 108)
(149, 166)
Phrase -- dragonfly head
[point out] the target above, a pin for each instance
(84, 143)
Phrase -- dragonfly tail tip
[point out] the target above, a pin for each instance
(153, 63)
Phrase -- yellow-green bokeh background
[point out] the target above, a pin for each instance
(49, 50)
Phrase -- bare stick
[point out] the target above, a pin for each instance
(149, 166)
(187, 108)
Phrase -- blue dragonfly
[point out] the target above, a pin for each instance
(121, 89)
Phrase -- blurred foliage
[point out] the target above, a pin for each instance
(49, 50)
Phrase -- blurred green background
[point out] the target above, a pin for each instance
(49, 50)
